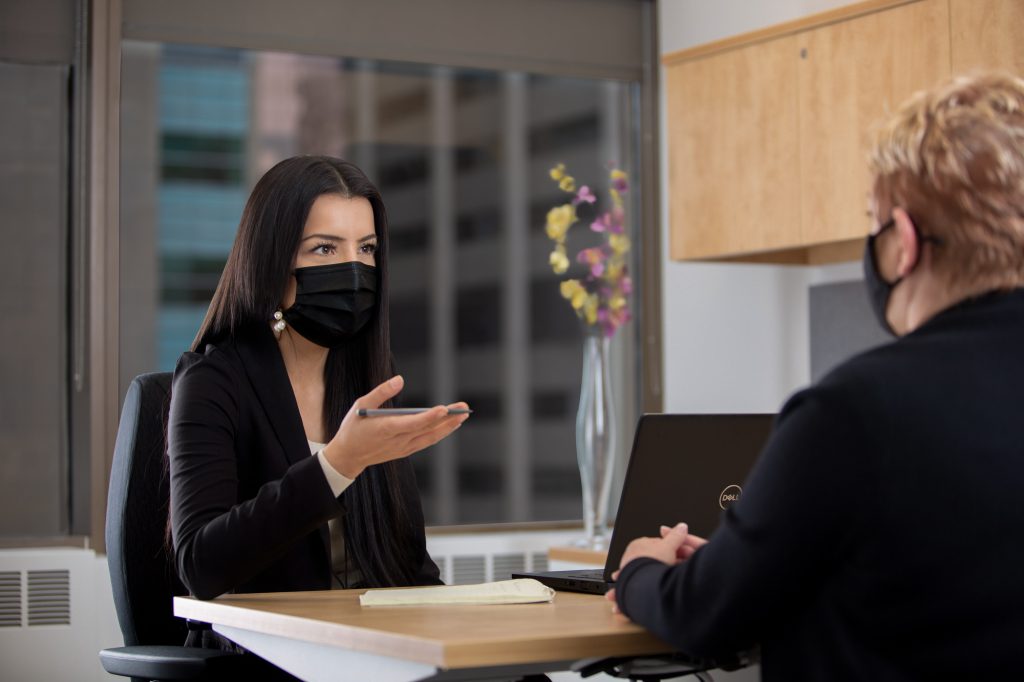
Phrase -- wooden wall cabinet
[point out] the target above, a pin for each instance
(987, 34)
(852, 75)
(733, 160)
(768, 132)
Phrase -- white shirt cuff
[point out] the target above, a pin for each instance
(338, 481)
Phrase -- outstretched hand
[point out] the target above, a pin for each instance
(675, 545)
(361, 441)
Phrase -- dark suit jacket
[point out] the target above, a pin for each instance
(881, 534)
(249, 505)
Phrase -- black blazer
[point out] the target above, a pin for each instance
(249, 505)
(879, 536)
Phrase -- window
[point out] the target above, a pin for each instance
(461, 157)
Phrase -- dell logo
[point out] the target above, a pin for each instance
(728, 496)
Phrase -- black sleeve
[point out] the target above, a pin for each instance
(219, 541)
(800, 511)
(429, 573)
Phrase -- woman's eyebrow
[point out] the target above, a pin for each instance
(335, 238)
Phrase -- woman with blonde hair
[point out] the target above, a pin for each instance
(879, 535)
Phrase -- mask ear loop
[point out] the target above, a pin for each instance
(922, 239)
(872, 239)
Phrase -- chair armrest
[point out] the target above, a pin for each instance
(163, 662)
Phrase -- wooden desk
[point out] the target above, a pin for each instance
(328, 636)
(576, 556)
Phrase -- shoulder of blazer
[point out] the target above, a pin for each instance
(211, 376)
(263, 368)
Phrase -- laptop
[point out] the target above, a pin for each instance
(683, 467)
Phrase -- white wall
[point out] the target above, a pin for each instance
(735, 335)
(61, 652)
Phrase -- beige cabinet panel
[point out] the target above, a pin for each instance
(852, 74)
(733, 153)
(987, 34)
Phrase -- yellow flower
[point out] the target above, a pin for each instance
(619, 174)
(618, 301)
(558, 172)
(574, 291)
(619, 243)
(590, 309)
(567, 183)
(569, 287)
(559, 220)
(616, 197)
(558, 260)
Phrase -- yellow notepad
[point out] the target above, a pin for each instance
(520, 591)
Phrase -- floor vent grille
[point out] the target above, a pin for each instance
(468, 570)
(49, 597)
(10, 599)
(507, 564)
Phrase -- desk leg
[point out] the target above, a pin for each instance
(323, 663)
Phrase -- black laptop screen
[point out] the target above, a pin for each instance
(685, 467)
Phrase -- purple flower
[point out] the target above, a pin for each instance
(612, 221)
(617, 220)
(594, 257)
(584, 195)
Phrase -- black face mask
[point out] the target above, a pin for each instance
(879, 290)
(333, 302)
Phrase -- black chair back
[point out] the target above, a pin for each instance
(141, 570)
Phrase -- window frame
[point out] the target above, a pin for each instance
(459, 41)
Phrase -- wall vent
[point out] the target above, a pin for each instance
(507, 564)
(49, 597)
(468, 570)
(540, 561)
(10, 599)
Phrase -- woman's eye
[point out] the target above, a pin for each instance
(323, 249)
(370, 248)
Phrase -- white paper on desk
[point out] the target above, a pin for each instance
(519, 591)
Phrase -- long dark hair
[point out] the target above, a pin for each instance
(380, 536)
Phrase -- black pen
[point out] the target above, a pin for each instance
(396, 411)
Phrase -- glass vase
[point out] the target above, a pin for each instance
(595, 438)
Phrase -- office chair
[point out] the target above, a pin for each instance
(141, 573)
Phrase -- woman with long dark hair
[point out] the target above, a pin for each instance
(277, 484)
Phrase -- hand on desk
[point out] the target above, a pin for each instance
(675, 545)
(361, 442)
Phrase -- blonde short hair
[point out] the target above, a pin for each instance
(953, 158)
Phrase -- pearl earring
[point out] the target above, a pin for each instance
(279, 323)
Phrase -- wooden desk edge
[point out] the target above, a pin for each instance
(435, 652)
(311, 630)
